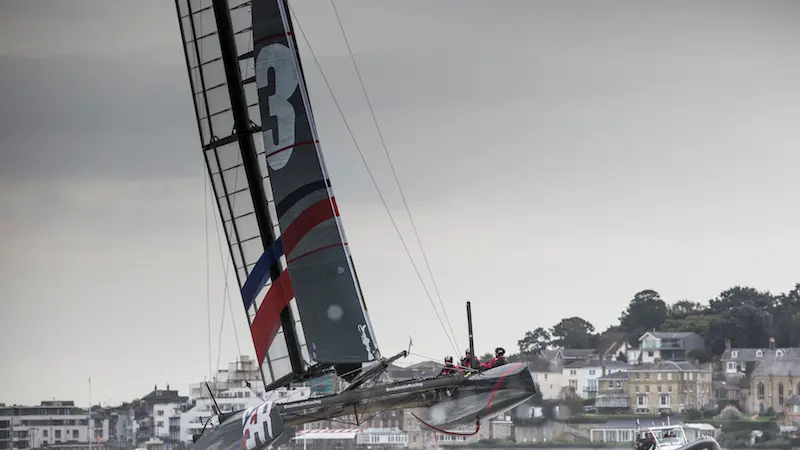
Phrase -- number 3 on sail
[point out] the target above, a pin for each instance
(277, 77)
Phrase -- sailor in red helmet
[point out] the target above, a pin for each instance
(498, 360)
(469, 361)
(449, 368)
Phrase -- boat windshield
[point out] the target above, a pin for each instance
(671, 436)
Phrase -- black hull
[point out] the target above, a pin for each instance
(444, 401)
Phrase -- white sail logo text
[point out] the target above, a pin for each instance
(275, 71)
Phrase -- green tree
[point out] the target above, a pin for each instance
(742, 296)
(696, 324)
(645, 312)
(685, 308)
(745, 326)
(534, 341)
(574, 332)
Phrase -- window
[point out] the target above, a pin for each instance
(74, 434)
(44, 433)
(58, 434)
(641, 400)
(647, 388)
(650, 354)
(591, 371)
(665, 400)
(659, 388)
(759, 353)
(573, 372)
(734, 354)
(760, 390)
(619, 384)
(610, 384)
(780, 393)
(647, 376)
(637, 388)
(779, 353)
(731, 366)
(669, 376)
(658, 376)
(669, 388)
(160, 412)
(160, 423)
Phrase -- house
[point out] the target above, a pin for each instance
(582, 376)
(669, 346)
(773, 381)
(744, 360)
(668, 386)
(612, 392)
(549, 383)
(791, 411)
(610, 345)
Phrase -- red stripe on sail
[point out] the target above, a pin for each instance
(267, 321)
(311, 217)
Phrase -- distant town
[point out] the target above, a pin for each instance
(594, 388)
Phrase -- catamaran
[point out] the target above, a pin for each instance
(297, 279)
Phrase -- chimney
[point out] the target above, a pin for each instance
(727, 344)
(772, 344)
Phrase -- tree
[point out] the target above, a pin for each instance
(574, 332)
(745, 326)
(534, 341)
(742, 296)
(695, 324)
(685, 308)
(645, 312)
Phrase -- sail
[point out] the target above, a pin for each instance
(223, 157)
(319, 266)
(300, 263)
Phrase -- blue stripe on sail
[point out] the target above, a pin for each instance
(258, 277)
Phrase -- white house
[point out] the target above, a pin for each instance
(550, 383)
(582, 376)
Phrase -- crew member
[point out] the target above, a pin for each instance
(449, 368)
(498, 360)
(470, 361)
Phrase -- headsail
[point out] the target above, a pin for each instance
(292, 245)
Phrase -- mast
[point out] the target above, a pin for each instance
(244, 136)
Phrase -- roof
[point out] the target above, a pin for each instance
(327, 434)
(573, 353)
(751, 354)
(777, 367)
(615, 376)
(596, 363)
(669, 334)
(611, 343)
(668, 366)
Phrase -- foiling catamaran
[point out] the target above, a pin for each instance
(298, 283)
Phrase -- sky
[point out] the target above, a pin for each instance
(557, 157)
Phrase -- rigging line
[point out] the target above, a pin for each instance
(208, 268)
(391, 166)
(227, 292)
(372, 177)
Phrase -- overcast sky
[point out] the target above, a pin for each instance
(558, 157)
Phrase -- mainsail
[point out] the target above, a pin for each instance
(297, 280)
